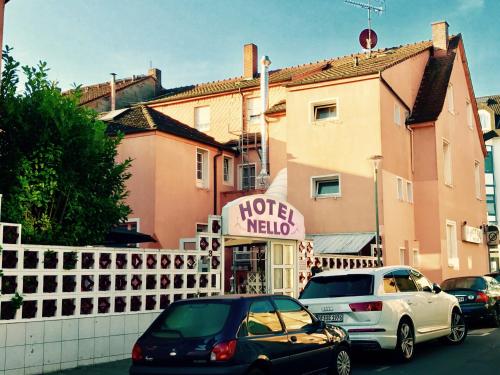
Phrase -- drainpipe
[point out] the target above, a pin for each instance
(216, 156)
(113, 91)
(265, 62)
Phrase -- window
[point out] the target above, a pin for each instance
(477, 178)
(448, 180)
(451, 243)
(409, 191)
(202, 118)
(450, 99)
(404, 282)
(326, 186)
(399, 182)
(485, 119)
(247, 176)
(339, 286)
(201, 227)
(253, 109)
(397, 114)
(469, 114)
(201, 168)
(389, 283)
(415, 258)
(262, 319)
(402, 255)
(422, 283)
(324, 111)
(488, 161)
(293, 315)
(227, 166)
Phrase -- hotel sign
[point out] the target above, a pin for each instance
(262, 216)
(472, 234)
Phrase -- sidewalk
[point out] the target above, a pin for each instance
(110, 368)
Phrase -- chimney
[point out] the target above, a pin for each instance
(156, 74)
(250, 61)
(113, 91)
(440, 37)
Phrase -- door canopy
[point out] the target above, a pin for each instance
(262, 215)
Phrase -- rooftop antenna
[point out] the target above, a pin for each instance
(368, 37)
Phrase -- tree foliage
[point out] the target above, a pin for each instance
(59, 175)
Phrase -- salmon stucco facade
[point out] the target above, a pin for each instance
(412, 106)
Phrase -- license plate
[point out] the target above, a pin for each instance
(461, 298)
(336, 318)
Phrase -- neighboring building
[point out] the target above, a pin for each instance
(2, 9)
(128, 91)
(489, 115)
(413, 105)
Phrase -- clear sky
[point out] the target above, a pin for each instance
(195, 41)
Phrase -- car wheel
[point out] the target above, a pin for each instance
(495, 318)
(458, 329)
(405, 346)
(341, 362)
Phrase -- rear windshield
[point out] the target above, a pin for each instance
(464, 283)
(190, 320)
(338, 286)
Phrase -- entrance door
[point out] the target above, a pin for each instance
(283, 258)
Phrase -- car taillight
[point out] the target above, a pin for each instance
(366, 306)
(481, 297)
(223, 351)
(137, 353)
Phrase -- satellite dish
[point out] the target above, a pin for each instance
(365, 35)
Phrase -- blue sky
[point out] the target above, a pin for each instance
(194, 41)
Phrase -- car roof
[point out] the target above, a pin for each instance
(362, 271)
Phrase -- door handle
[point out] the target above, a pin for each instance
(293, 339)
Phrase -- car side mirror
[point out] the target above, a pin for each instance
(320, 324)
(436, 288)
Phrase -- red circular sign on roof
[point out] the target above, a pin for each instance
(365, 35)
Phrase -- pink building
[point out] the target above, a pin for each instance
(413, 105)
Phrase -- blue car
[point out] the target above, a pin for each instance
(251, 335)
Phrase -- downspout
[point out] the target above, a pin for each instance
(265, 62)
(411, 149)
(216, 156)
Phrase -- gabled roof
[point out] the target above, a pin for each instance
(143, 119)
(315, 72)
(100, 90)
(493, 102)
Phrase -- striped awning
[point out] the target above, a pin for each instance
(341, 243)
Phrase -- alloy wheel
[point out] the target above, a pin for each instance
(343, 363)
(406, 340)
(457, 327)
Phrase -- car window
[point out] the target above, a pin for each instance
(404, 282)
(293, 315)
(389, 283)
(263, 319)
(338, 286)
(476, 283)
(422, 283)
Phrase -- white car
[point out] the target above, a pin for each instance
(385, 308)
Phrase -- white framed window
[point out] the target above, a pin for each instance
(253, 109)
(451, 243)
(409, 191)
(325, 186)
(399, 188)
(402, 255)
(201, 227)
(447, 167)
(450, 99)
(227, 170)
(397, 114)
(477, 178)
(415, 259)
(324, 111)
(202, 118)
(246, 176)
(485, 119)
(201, 168)
(469, 114)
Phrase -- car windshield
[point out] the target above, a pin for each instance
(338, 286)
(477, 283)
(190, 320)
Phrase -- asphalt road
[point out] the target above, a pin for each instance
(478, 355)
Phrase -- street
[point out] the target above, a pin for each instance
(478, 355)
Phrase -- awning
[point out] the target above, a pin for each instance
(123, 236)
(341, 243)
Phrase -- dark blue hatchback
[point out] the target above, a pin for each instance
(253, 335)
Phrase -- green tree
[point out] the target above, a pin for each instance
(59, 175)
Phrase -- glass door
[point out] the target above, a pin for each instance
(283, 259)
